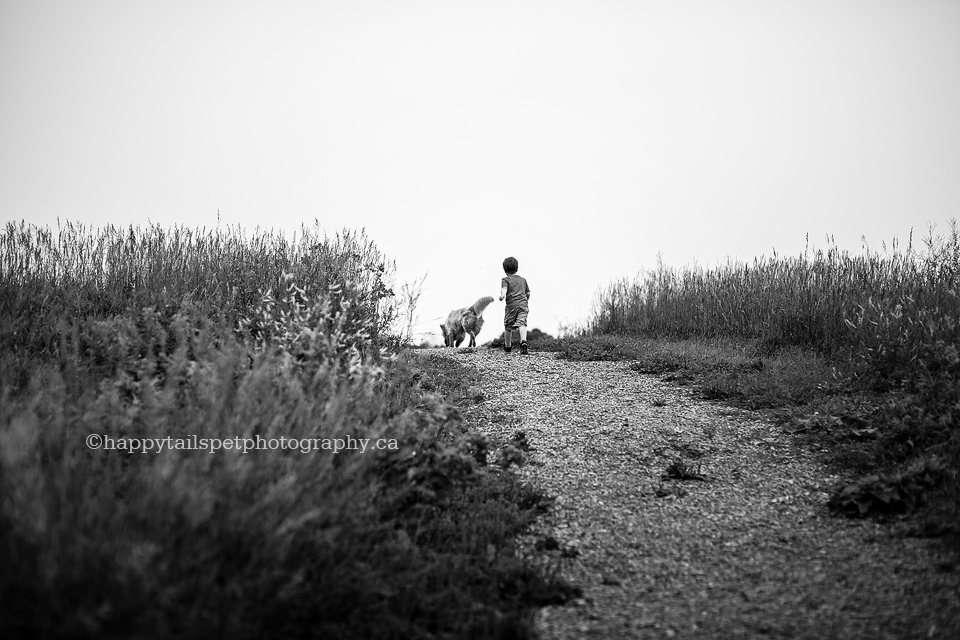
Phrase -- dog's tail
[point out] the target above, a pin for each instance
(481, 304)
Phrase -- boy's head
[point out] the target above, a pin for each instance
(510, 265)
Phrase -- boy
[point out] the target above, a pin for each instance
(515, 289)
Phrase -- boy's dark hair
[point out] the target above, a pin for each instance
(510, 265)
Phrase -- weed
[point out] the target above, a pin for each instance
(519, 440)
(211, 336)
(886, 494)
(681, 469)
(510, 455)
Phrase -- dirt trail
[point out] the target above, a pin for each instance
(750, 552)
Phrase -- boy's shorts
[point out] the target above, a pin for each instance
(513, 318)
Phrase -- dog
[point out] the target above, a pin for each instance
(464, 321)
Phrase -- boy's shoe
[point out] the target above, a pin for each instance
(523, 347)
(507, 349)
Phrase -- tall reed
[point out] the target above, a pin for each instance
(876, 307)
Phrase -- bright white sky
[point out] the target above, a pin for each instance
(581, 137)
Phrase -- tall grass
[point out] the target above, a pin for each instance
(47, 277)
(190, 337)
(886, 310)
(873, 337)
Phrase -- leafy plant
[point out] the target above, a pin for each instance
(881, 495)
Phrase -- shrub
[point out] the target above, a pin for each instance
(536, 339)
(412, 539)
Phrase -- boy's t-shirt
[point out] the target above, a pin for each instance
(517, 291)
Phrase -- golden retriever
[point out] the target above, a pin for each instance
(464, 321)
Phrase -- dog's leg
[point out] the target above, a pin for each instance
(469, 324)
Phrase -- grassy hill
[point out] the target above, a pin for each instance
(181, 425)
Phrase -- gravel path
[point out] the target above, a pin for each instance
(749, 552)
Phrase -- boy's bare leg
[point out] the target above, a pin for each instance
(523, 340)
(507, 337)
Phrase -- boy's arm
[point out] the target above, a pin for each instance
(503, 292)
